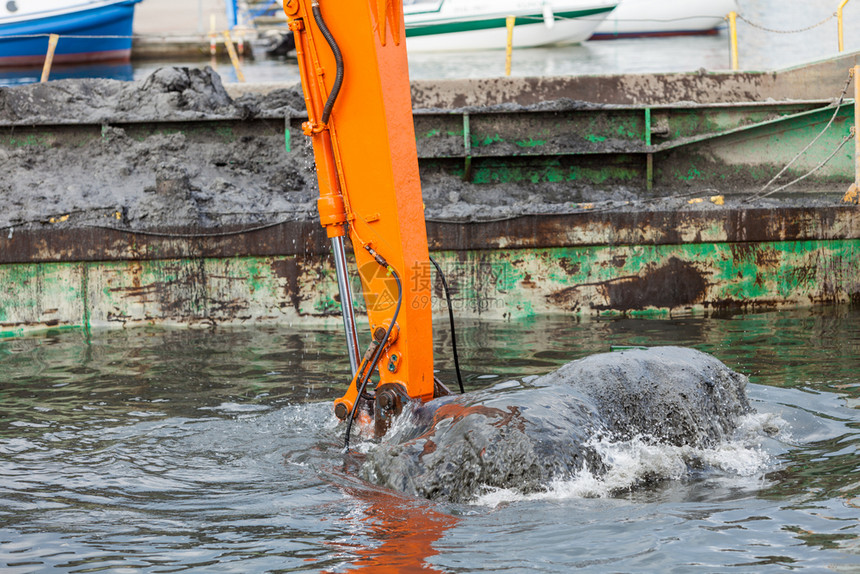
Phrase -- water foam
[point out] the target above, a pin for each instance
(642, 460)
(233, 408)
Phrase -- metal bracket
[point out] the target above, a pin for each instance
(467, 149)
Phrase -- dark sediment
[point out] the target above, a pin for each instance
(168, 177)
(163, 179)
(455, 448)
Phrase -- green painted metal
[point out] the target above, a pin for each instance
(647, 126)
(467, 149)
(740, 146)
(180, 291)
(616, 169)
(649, 165)
(507, 284)
(737, 145)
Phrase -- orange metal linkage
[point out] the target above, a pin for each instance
(367, 170)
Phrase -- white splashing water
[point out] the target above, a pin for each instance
(641, 460)
(230, 408)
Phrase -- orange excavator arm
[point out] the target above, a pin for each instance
(352, 60)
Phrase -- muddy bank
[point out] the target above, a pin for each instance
(172, 176)
(553, 427)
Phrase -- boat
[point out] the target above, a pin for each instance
(89, 30)
(455, 25)
(636, 18)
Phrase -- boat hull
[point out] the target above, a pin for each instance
(638, 18)
(100, 33)
(488, 31)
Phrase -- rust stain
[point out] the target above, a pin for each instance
(677, 283)
(142, 292)
(767, 257)
(567, 298)
(743, 252)
(306, 238)
(528, 282)
(568, 267)
(803, 276)
(457, 412)
(618, 260)
(288, 269)
(742, 305)
(136, 270)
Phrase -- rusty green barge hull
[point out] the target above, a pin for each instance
(656, 219)
(751, 259)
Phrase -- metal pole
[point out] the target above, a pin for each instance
(228, 42)
(509, 22)
(839, 23)
(856, 127)
(649, 157)
(346, 302)
(733, 34)
(212, 37)
(853, 193)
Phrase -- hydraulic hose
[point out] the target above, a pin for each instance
(338, 58)
(451, 320)
(377, 355)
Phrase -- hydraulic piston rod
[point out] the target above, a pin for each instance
(346, 302)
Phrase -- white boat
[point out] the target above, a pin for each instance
(452, 25)
(635, 18)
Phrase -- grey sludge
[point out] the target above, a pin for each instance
(455, 447)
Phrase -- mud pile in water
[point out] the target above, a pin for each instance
(456, 448)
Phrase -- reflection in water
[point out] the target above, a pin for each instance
(30, 75)
(402, 531)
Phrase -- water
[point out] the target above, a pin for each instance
(758, 50)
(161, 450)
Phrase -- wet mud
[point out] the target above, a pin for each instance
(164, 178)
(167, 94)
(171, 174)
(457, 448)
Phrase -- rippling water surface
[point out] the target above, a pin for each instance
(158, 450)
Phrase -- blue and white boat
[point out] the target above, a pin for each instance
(89, 30)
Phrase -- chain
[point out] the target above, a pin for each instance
(760, 27)
(740, 17)
(74, 36)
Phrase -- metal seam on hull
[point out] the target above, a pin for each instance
(63, 243)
